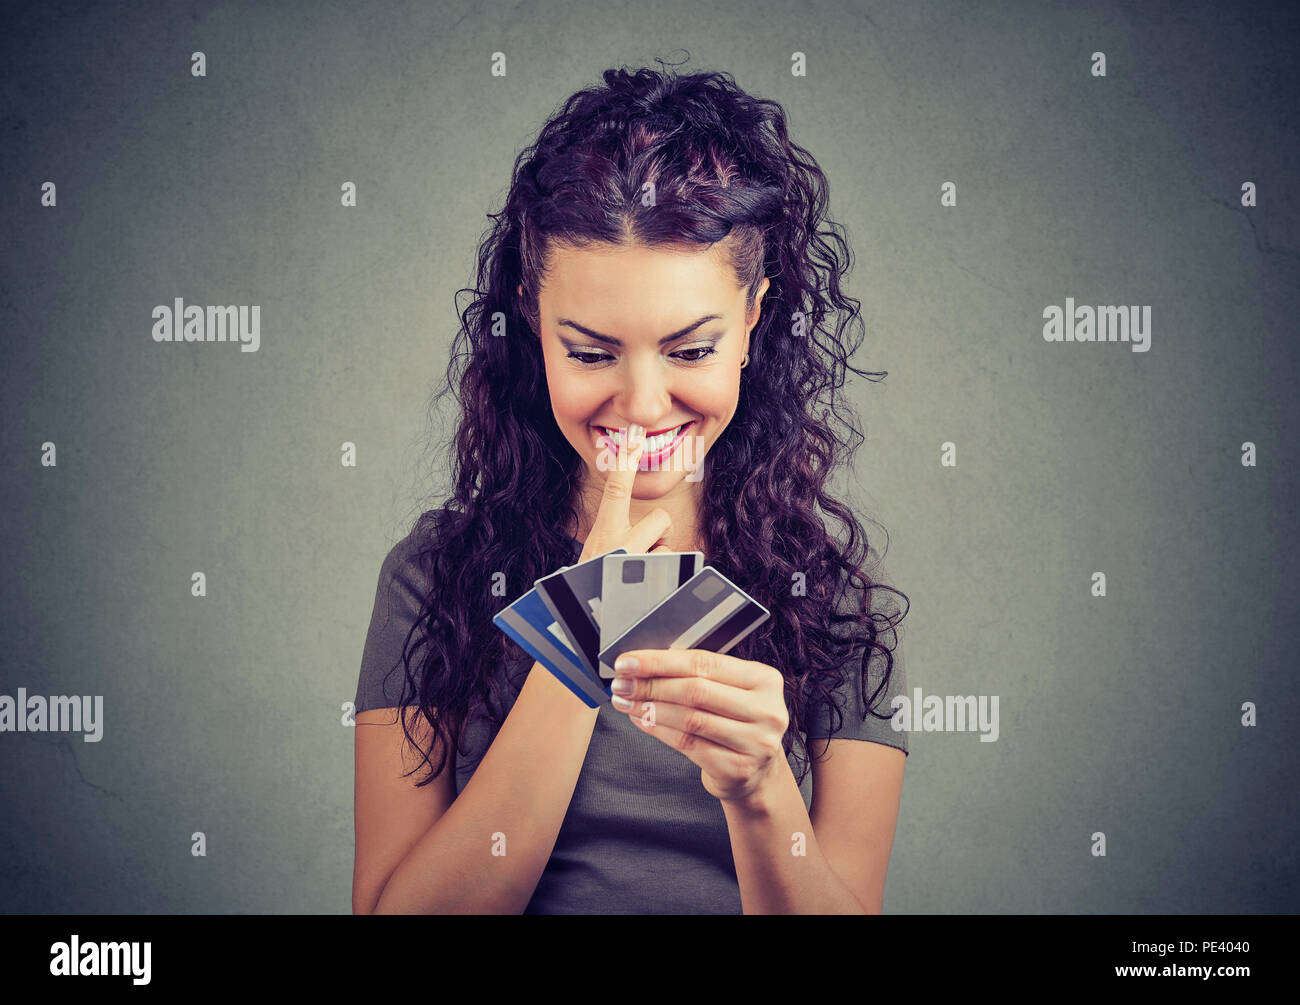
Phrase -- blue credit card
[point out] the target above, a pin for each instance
(531, 624)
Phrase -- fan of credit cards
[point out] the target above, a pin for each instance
(576, 622)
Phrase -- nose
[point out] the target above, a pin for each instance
(645, 396)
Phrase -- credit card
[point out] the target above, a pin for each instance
(573, 596)
(531, 624)
(708, 612)
(633, 585)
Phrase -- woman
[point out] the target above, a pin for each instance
(662, 262)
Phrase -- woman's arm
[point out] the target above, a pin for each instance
(839, 866)
(485, 852)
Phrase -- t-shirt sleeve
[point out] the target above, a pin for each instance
(848, 691)
(398, 598)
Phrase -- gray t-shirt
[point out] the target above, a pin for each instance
(642, 835)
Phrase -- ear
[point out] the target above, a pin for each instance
(758, 307)
(752, 319)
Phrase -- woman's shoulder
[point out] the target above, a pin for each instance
(401, 556)
(400, 595)
(885, 675)
(872, 579)
(403, 564)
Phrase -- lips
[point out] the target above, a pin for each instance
(659, 447)
(655, 442)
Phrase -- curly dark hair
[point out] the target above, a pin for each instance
(723, 170)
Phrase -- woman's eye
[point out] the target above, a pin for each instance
(595, 358)
(592, 359)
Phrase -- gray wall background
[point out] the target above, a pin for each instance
(223, 715)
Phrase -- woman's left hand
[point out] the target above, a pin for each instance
(728, 715)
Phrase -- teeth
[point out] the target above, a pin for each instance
(660, 441)
(652, 444)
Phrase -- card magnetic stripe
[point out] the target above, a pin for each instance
(732, 630)
(574, 617)
(674, 624)
(547, 652)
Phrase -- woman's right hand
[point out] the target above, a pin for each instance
(612, 528)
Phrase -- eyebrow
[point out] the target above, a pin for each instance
(610, 340)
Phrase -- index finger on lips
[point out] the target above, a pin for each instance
(616, 501)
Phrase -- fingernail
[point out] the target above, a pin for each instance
(621, 685)
(635, 435)
(626, 663)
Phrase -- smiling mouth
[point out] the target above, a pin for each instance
(653, 444)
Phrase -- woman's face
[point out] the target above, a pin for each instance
(624, 342)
